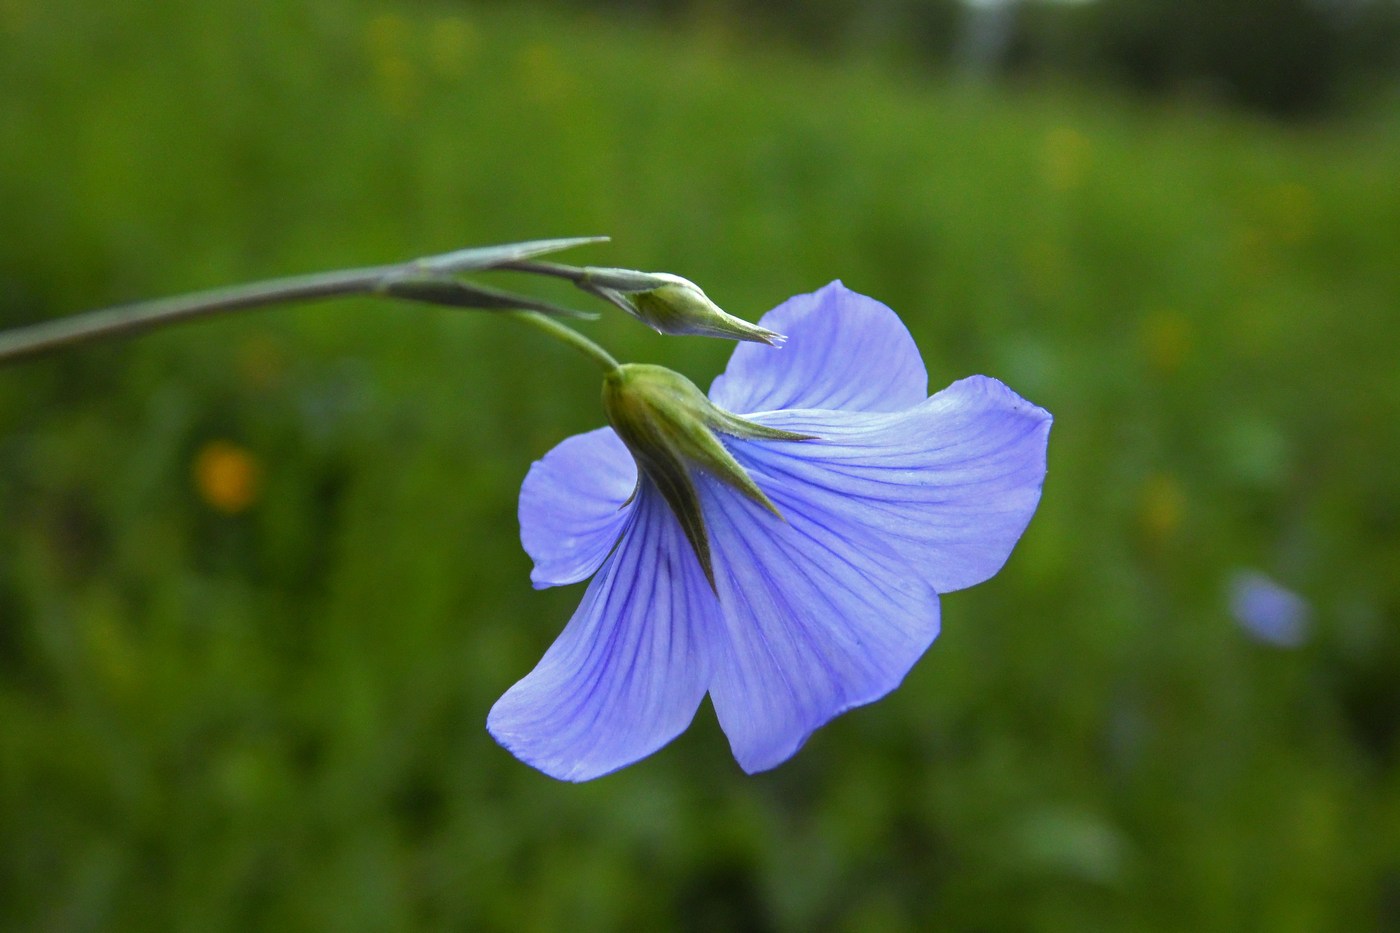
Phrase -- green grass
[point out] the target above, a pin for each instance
(274, 719)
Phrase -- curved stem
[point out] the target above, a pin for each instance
(425, 280)
(570, 336)
(127, 320)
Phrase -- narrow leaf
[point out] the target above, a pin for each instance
(489, 257)
(452, 293)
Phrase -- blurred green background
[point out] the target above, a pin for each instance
(260, 578)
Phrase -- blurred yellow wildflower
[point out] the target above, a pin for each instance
(451, 43)
(542, 75)
(15, 16)
(1280, 216)
(1067, 157)
(1250, 255)
(115, 658)
(228, 477)
(1292, 209)
(1160, 507)
(387, 37)
(1166, 341)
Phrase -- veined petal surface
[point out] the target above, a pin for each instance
(818, 616)
(830, 606)
(843, 351)
(571, 506)
(629, 670)
(892, 499)
(949, 485)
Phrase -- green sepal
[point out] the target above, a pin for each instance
(670, 427)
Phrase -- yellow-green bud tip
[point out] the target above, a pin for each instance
(670, 304)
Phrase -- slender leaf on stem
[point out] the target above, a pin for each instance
(490, 257)
(453, 293)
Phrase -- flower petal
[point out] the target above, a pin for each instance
(571, 506)
(950, 485)
(829, 607)
(843, 351)
(817, 616)
(629, 670)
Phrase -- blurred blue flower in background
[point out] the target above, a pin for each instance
(892, 498)
(1267, 611)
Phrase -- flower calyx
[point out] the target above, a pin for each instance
(671, 429)
(672, 305)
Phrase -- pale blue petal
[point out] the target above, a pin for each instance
(816, 619)
(950, 485)
(571, 506)
(843, 351)
(629, 670)
(1268, 611)
(829, 607)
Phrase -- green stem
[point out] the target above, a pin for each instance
(570, 336)
(429, 280)
(24, 342)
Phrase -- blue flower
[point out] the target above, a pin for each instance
(885, 498)
(1267, 611)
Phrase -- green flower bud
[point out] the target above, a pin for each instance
(670, 304)
(671, 428)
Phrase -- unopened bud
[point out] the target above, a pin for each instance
(670, 304)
